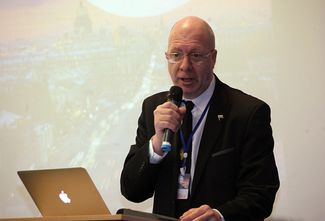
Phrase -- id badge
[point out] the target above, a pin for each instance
(183, 186)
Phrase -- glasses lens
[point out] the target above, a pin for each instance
(196, 57)
(175, 57)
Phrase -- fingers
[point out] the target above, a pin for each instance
(202, 213)
(167, 115)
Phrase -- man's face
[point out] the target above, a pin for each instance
(191, 74)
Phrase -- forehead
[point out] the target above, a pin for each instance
(189, 36)
(186, 43)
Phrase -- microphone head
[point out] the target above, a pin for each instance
(175, 94)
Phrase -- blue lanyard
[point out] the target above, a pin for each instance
(186, 145)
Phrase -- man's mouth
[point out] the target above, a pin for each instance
(187, 80)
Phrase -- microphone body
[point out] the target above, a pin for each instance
(175, 96)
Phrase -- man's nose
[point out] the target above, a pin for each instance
(185, 63)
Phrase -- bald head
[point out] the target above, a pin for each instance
(192, 27)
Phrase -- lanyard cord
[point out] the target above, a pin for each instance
(186, 145)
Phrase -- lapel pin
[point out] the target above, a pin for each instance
(220, 117)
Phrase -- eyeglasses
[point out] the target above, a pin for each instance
(195, 57)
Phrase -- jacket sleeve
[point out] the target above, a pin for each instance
(138, 176)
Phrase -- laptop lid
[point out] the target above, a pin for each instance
(63, 192)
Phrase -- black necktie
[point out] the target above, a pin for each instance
(187, 130)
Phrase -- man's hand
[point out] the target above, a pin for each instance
(166, 115)
(202, 213)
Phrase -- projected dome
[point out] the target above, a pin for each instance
(139, 8)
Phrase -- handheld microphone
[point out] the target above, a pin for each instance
(175, 95)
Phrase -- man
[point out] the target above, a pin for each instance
(232, 175)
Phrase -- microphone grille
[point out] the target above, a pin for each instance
(175, 93)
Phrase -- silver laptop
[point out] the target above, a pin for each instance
(64, 192)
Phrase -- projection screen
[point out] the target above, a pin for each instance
(73, 75)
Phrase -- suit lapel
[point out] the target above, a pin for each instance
(216, 117)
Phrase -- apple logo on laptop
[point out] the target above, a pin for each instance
(64, 197)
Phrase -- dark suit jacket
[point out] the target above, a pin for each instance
(235, 169)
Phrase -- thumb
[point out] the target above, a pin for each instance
(182, 110)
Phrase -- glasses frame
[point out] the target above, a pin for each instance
(202, 57)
